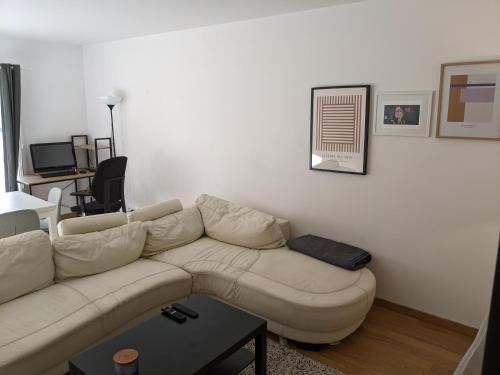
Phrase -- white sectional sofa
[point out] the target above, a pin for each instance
(112, 271)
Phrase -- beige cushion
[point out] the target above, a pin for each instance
(304, 293)
(26, 264)
(87, 254)
(127, 292)
(237, 225)
(88, 224)
(172, 231)
(215, 266)
(301, 297)
(285, 227)
(39, 330)
(155, 211)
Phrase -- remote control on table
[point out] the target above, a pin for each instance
(173, 314)
(185, 310)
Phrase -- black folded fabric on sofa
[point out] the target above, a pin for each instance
(329, 251)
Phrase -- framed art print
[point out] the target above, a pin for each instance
(403, 113)
(339, 128)
(469, 101)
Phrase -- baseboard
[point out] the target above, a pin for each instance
(429, 318)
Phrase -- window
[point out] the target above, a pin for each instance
(2, 175)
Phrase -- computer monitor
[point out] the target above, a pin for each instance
(52, 156)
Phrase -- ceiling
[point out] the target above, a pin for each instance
(92, 21)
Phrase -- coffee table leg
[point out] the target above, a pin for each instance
(261, 354)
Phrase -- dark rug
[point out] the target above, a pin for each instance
(283, 360)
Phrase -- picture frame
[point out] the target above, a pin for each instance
(339, 128)
(403, 113)
(469, 101)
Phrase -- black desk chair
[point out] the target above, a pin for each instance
(107, 188)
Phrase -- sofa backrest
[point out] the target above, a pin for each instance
(26, 264)
(87, 224)
(238, 225)
(172, 230)
(285, 227)
(155, 211)
(83, 254)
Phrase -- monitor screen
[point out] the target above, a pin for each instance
(52, 156)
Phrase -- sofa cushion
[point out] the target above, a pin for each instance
(284, 226)
(38, 330)
(237, 225)
(126, 292)
(172, 231)
(88, 224)
(155, 211)
(305, 293)
(214, 266)
(26, 264)
(90, 253)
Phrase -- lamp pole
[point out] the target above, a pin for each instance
(111, 101)
(110, 106)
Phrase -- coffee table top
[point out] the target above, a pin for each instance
(167, 347)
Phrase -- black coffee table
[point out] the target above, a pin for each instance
(210, 344)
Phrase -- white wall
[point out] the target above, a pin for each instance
(52, 95)
(225, 110)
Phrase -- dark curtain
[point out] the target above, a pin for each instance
(10, 100)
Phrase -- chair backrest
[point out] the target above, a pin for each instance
(109, 172)
(16, 222)
(55, 196)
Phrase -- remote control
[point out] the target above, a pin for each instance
(173, 314)
(185, 310)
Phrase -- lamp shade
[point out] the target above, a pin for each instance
(110, 99)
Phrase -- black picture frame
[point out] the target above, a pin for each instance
(364, 148)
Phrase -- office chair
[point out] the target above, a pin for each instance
(16, 222)
(107, 188)
(55, 196)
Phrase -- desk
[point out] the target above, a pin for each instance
(30, 180)
(17, 200)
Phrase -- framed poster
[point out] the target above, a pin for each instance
(339, 128)
(405, 113)
(469, 101)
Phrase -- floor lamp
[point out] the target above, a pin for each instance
(111, 101)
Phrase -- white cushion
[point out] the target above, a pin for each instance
(305, 293)
(25, 264)
(285, 227)
(214, 266)
(172, 231)
(126, 292)
(40, 329)
(87, 254)
(237, 225)
(155, 211)
(88, 224)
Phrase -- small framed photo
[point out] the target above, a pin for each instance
(339, 128)
(469, 104)
(403, 113)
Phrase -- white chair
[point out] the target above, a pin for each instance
(16, 222)
(55, 196)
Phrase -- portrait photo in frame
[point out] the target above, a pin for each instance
(403, 113)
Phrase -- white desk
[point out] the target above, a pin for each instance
(17, 200)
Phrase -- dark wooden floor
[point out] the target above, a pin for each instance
(391, 342)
